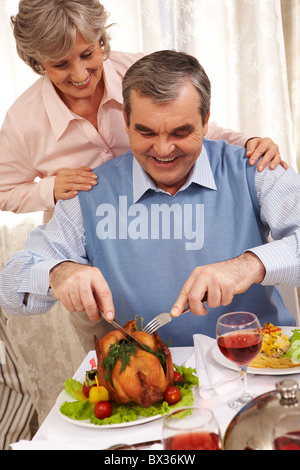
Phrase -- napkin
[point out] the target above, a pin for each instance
(214, 378)
(2, 352)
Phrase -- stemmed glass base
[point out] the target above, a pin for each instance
(240, 402)
(245, 397)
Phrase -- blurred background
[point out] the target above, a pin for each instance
(249, 48)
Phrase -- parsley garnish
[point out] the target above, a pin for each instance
(122, 350)
(159, 354)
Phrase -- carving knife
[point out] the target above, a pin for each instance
(125, 333)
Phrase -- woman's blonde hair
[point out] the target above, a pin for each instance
(45, 30)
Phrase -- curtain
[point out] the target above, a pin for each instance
(15, 75)
(291, 29)
(250, 50)
(247, 47)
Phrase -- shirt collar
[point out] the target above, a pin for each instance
(201, 174)
(112, 83)
(59, 114)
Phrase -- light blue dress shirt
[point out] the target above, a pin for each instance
(63, 238)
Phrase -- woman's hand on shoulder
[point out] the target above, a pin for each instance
(264, 146)
(69, 182)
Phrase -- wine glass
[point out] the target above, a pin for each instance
(191, 428)
(239, 338)
(286, 432)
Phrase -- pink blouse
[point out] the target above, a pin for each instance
(40, 136)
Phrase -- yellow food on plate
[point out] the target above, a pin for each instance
(260, 362)
(97, 394)
(274, 342)
(274, 345)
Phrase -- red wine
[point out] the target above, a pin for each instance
(194, 441)
(288, 443)
(240, 347)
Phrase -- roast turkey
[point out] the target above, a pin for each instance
(130, 373)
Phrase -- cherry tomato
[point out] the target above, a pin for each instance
(172, 395)
(177, 377)
(86, 390)
(103, 409)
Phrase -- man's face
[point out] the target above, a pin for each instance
(166, 138)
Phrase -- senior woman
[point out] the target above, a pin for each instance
(70, 120)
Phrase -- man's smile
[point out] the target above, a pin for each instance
(165, 160)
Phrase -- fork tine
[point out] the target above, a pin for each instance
(151, 326)
(152, 330)
(164, 318)
(157, 322)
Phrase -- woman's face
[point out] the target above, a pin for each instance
(78, 75)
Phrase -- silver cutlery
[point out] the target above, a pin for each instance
(143, 445)
(120, 328)
(161, 320)
(164, 318)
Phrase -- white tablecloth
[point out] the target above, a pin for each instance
(58, 433)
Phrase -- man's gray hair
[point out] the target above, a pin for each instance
(161, 75)
(45, 30)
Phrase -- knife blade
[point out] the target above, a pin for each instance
(143, 445)
(125, 333)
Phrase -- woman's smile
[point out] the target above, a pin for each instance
(82, 84)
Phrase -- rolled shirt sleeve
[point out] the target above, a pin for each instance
(278, 194)
(62, 239)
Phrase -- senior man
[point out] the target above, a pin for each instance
(178, 216)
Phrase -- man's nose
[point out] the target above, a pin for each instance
(163, 147)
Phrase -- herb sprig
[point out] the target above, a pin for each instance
(122, 350)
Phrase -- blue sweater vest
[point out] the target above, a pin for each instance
(146, 251)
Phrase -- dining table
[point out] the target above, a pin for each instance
(58, 432)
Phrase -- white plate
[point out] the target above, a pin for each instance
(64, 396)
(178, 358)
(218, 356)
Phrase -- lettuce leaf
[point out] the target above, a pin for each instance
(190, 378)
(79, 410)
(293, 352)
(84, 410)
(71, 386)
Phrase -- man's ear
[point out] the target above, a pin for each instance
(206, 122)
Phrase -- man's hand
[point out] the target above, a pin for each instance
(258, 146)
(221, 281)
(68, 182)
(82, 288)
